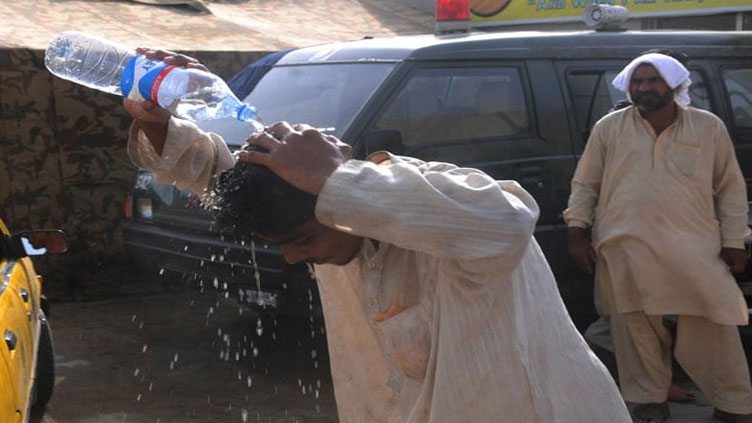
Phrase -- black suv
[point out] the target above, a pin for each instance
(518, 105)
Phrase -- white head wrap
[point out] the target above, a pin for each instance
(672, 71)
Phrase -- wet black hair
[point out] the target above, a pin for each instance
(250, 199)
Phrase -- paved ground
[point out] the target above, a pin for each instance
(150, 355)
(185, 357)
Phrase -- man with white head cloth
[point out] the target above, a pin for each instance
(660, 186)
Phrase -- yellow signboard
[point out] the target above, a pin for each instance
(507, 12)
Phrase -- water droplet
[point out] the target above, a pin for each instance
(144, 348)
(244, 415)
(138, 398)
(175, 358)
(255, 352)
(161, 271)
(136, 372)
(249, 381)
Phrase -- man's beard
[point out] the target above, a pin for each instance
(651, 101)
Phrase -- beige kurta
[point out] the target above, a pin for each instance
(661, 209)
(484, 336)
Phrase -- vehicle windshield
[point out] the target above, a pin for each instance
(325, 96)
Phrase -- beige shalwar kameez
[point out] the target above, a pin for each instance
(484, 336)
(662, 207)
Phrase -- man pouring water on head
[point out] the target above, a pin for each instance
(438, 303)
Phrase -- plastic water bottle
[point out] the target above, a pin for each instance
(103, 65)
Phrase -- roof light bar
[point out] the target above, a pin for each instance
(452, 16)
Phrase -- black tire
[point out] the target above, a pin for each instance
(44, 383)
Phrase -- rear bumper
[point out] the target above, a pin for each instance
(207, 260)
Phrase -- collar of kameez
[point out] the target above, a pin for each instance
(372, 252)
(672, 71)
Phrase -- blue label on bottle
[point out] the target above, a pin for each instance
(126, 79)
(152, 69)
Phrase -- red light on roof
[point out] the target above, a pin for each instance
(452, 10)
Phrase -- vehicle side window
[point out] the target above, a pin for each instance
(593, 95)
(739, 87)
(443, 104)
(698, 91)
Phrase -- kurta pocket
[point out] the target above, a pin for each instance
(684, 158)
(408, 340)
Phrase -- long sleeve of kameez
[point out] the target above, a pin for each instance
(586, 183)
(435, 208)
(190, 158)
(730, 191)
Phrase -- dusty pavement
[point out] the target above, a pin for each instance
(150, 355)
(147, 354)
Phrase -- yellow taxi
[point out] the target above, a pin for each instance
(27, 371)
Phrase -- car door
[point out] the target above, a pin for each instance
(736, 79)
(506, 118)
(479, 115)
(17, 346)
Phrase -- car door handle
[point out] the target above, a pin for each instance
(531, 176)
(10, 340)
(24, 295)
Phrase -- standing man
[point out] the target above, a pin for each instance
(660, 185)
(438, 303)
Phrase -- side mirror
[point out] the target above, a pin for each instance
(40, 242)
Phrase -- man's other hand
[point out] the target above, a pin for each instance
(735, 258)
(581, 249)
(152, 119)
(301, 155)
(172, 58)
